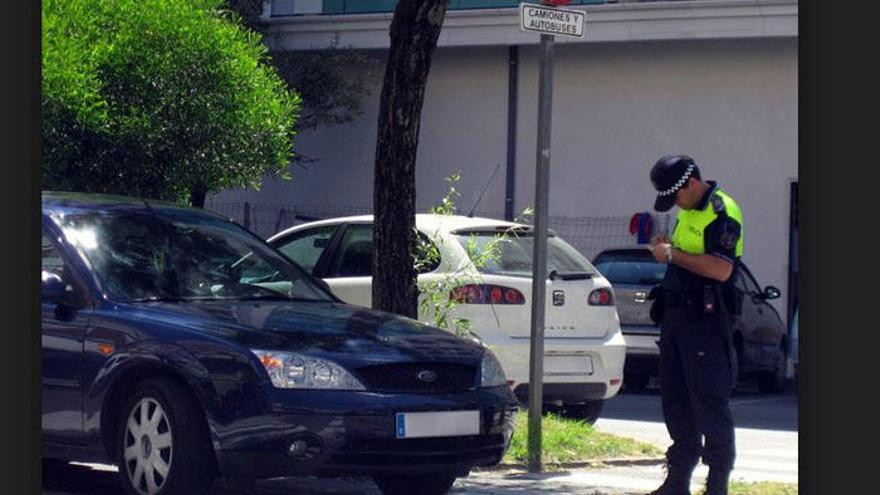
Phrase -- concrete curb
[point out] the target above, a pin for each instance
(623, 461)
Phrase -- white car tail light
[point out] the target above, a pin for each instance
(601, 297)
(486, 294)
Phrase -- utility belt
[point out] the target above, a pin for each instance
(695, 302)
(683, 299)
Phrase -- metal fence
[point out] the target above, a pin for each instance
(589, 235)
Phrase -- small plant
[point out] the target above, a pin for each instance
(436, 301)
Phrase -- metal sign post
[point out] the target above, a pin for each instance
(548, 22)
(539, 255)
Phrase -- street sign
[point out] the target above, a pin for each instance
(548, 20)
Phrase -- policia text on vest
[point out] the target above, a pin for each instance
(692, 307)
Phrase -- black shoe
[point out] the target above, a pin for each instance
(677, 482)
(669, 489)
(716, 482)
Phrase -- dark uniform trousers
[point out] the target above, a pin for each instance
(696, 382)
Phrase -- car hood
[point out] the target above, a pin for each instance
(349, 335)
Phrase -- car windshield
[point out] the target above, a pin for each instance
(632, 272)
(514, 255)
(175, 255)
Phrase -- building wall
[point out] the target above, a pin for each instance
(731, 104)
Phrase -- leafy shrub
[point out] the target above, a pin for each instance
(165, 99)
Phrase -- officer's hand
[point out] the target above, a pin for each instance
(661, 238)
(659, 250)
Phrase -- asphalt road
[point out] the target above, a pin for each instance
(766, 430)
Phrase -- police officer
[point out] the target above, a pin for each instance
(693, 309)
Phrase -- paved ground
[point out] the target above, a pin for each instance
(102, 480)
(766, 435)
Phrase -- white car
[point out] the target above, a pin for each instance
(584, 349)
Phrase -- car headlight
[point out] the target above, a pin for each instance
(491, 372)
(292, 370)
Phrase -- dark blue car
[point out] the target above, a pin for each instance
(182, 348)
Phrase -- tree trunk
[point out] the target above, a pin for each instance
(197, 194)
(414, 32)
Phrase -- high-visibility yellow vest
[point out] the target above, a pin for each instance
(691, 224)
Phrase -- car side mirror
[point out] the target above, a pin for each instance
(771, 292)
(54, 289)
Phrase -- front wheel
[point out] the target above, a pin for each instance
(162, 443)
(774, 381)
(429, 484)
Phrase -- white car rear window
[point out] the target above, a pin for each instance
(515, 254)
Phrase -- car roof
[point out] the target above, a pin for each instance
(640, 247)
(637, 250)
(429, 221)
(60, 202)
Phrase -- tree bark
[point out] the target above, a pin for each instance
(415, 28)
(197, 194)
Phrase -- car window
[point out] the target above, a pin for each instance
(171, 255)
(354, 257)
(428, 255)
(746, 281)
(624, 255)
(632, 272)
(305, 247)
(52, 261)
(514, 256)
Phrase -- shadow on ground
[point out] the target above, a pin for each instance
(750, 407)
(526, 483)
(72, 479)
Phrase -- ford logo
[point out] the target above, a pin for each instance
(427, 376)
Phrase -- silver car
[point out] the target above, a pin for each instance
(760, 337)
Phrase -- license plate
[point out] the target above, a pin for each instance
(568, 365)
(437, 424)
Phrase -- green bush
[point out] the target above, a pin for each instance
(160, 99)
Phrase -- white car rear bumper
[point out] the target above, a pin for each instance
(600, 373)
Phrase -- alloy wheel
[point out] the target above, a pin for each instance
(148, 446)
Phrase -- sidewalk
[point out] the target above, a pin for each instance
(97, 479)
(761, 455)
(618, 480)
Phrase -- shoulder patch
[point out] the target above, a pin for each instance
(718, 204)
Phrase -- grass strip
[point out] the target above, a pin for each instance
(763, 488)
(567, 440)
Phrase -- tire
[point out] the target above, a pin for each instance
(588, 411)
(736, 359)
(636, 381)
(161, 428)
(429, 484)
(771, 382)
